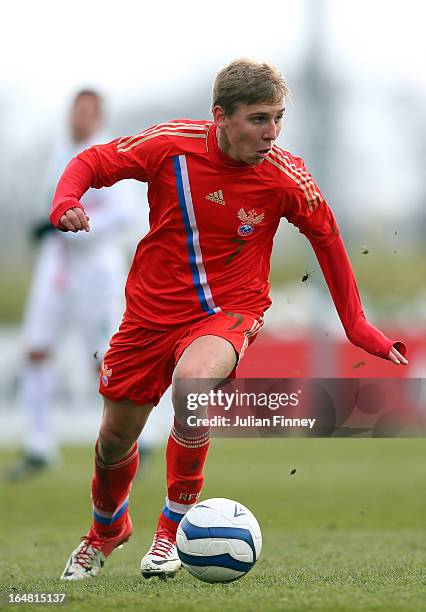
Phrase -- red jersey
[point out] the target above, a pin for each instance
(212, 220)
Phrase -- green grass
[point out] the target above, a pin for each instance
(345, 532)
(14, 286)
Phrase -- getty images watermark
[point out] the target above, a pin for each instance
(304, 407)
(240, 399)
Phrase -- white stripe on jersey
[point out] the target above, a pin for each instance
(195, 236)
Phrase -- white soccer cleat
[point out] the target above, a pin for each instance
(162, 559)
(87, 560)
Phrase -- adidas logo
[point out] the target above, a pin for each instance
(216, 196)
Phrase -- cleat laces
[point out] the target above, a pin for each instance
(163, 544)
(84, 556)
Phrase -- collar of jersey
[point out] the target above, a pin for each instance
(219, 158)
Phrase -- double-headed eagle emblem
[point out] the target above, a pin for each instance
(249, 220)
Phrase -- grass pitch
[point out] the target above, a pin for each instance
(346, 531)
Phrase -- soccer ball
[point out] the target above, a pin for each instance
(218, 540)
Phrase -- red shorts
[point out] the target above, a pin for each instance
(140, 362)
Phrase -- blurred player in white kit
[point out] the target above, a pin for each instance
(77, 286)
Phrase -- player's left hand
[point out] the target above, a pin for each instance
(396, 357)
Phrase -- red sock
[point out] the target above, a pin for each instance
(185, 457)
(111, 486)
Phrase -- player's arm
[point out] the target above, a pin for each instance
(341, 282)
(67, 214)
(99, 166)
(305, 207)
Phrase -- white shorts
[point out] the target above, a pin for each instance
(75, 291)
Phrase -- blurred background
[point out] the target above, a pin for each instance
(357, 117)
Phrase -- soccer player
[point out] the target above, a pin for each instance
(198, 285)
(76, 283)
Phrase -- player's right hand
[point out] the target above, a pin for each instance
(74, 220)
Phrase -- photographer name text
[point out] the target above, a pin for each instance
(250, 421)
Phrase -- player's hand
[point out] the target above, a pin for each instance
(396, 357)
(74, 220)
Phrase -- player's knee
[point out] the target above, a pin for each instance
(192, 370)
(206, 358)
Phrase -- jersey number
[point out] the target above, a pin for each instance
(239, 244)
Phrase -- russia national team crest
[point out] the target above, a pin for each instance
(249, 221)
(105, 374)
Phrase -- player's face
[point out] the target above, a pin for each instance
(248, 134)
(85, 117)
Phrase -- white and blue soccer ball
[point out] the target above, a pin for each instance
(218, 540)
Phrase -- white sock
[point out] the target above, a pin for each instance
(36, 395)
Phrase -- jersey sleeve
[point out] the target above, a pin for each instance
(73, 184)
(130, 157)
(338, 273)
(305, 207)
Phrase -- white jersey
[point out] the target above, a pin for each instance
(79, 278)
(77, 291)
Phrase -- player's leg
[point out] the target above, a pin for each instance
(41, 330)
(116, 463)
(205, 361)
(100, 310)
(156, 432)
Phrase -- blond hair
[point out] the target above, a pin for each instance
(246, 81)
